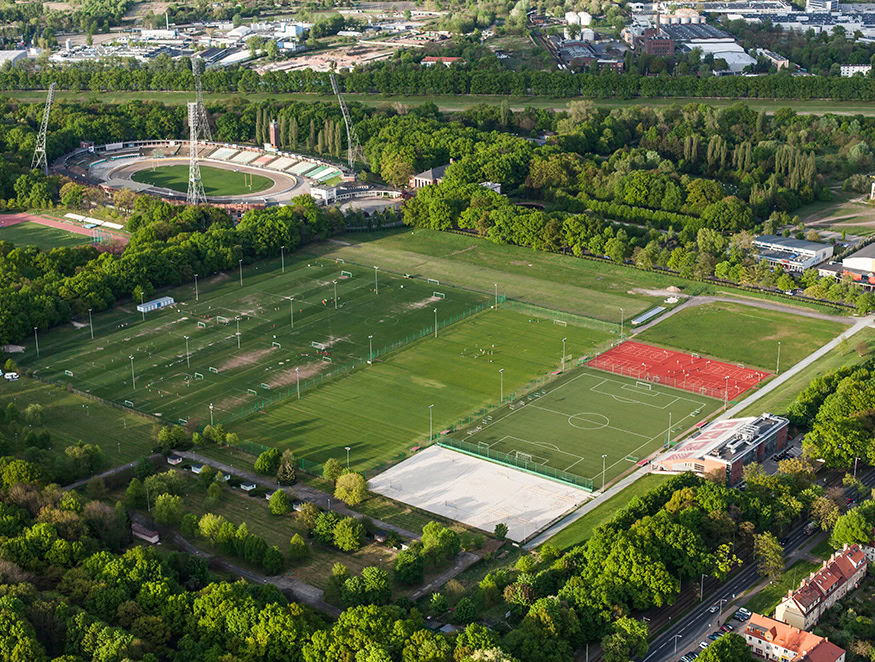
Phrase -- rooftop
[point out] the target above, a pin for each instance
(693, 31)
(807, 646)
(789, 243)
(866, 251)
(727, 440)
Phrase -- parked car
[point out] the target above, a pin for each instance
(726, 627)
(714, 636)
(703, 645)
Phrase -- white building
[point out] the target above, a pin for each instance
(849, 70)
(12, 57)
(791, 254)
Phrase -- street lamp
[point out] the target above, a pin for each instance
(370, 350)
(501, 379)
(435, 322)
(676, 637)
(292, 310)
(142, 310)
(298, 383)
(36, 338)
(196, 294)
(496, 295)
(430, 419)
(604, 457)
(91, 323)
(347, 456)
(335, 294)
(240, 263)
(376, 284)
(563, 354)
(211, 414)
(283, 257)
(133, 376)
(187, 355)
(778, 365)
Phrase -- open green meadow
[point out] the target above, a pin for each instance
(292, 333)
(381, 411)
(42, 236)
(569, 426)
(217, 181)
(741, 334)
(122, 435)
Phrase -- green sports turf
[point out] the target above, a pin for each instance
(175, 386)
(567, 427)
(383, 410)
(742, 334)
(217, 181)
(42, 236)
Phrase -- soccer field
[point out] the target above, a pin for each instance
(186, 357)
(383, 410)
(42, 236)
(217, 181)
(569, 426)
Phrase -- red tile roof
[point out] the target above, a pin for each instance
(807, 646)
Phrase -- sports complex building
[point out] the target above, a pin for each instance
(728, 445)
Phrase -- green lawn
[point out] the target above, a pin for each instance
(768, 598)
(217, 181)
(383, 410)
(123, 436)
(778, 400)
(822, 549)
(42, 236)
(580, 531)
(741, 334)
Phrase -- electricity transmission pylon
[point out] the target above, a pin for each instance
(354, 148)
(39, 154)
(204, 123)
(196, 193)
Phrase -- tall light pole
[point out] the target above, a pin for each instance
(622, 319)
(91, 323)
(370, 350)
(702, 587)
(435, 322)
(335, 295)
(240, 263)
(855, 466)
(563, 354)
(187, 355)
(211, 414)
(283, 257)
(376, 283)
(496, 295)
(778, 365)
(292, 310)
(141, 303)
(347, 456)
(36, 339)
(196, 293)
(133, 376)
(604, 457)
(430, 421)
(238, 331)
(501, 382)
(676, 637)
(298, 383)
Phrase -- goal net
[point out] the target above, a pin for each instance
(523, 457)
(68, 373)
(647, 386)
(560, 322)
(276, 344)
(434, 281)
(202, 325)
(317, 345)
(439, 295)
(222, 320)
(198, 375)
(346, 274)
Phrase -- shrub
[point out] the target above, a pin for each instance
(279, 503)
(298, 549)
(351, 488)
(348, 534)
(268, 462)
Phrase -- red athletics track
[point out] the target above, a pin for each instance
(7, 220)
(678, 369)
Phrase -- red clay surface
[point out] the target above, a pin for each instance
(7, 220)
(679, 369)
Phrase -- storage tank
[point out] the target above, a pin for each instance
(572, 18)
(587, 34)
(585, 19)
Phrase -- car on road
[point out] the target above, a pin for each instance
(713, 609)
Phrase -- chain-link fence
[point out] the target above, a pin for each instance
(559, 316)
(691, 386)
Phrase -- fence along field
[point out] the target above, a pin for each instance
(292, 333)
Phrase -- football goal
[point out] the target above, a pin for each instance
(338, 260)
(276, 344)
(695, 356)
(646, 386)
(182, 421)
(266, 387)
(128, 403)
(560, 322)
(222, 320)
(198, 375)
(68, 373)
(326, 359)
(523, 457)
(214, 370)
(202, 325)
(433, 281)
(251, 391)
(439, 295)
(317, 345)
(346, 274)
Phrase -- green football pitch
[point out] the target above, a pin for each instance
(217, 181)
(42, 236)
(570, 425)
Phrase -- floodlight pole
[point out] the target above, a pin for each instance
(187, 355)
(676, 637)
(335, 295)
(376, 284)
(36, 338)
(91, 323)
(240, 263)
(196, 294)
(211, 414)
(292, 310)
(133, 376)
(347, 456)
(603, 472)
(298, 383)
(238, 332)
(563, 354)
(501, 381)
(668, 434)
(370, 349)
(141, 303)
(496, 295)
(435, 322)
(778, 365)
(283, 257)
(430, 424)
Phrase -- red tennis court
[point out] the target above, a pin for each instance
(689, 372)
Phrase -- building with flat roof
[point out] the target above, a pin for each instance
(862, 260)
(728, 446)
(779, 61)
(12, 57)
(840, 574)
(791, 254)
(773, 640)
(155, 304)
(848, 70)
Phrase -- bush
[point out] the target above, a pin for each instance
(323, 527)
(298, 549)
(279, 503)
(351, 488)
(331, 470)
(348, 534)
(307, 515)
(409, 567)
(525, 563)
(466, 611)
(500, 530)
(273, 561)
(268, 462)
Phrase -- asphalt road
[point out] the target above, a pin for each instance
(696, 625)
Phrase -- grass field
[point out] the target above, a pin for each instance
(381, 411)
(768, 598)
(123, 436)
(570, 425)
(741, 334)
(217, 181)
(272, 357)
(580, 531)
(778, 400)
(42, 236)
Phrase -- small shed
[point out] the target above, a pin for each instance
(197, 468)
(174, 460)
(141, 532)
(155, 304)
(247, 486)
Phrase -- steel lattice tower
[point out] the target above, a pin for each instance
(354, 149)
(39, 154)
(204, 121)
(196, 193)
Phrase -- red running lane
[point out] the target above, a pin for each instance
(8, 220)
(678, 369)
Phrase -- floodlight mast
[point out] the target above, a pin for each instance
(203, 118)
(354, 148)
(39, 154)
